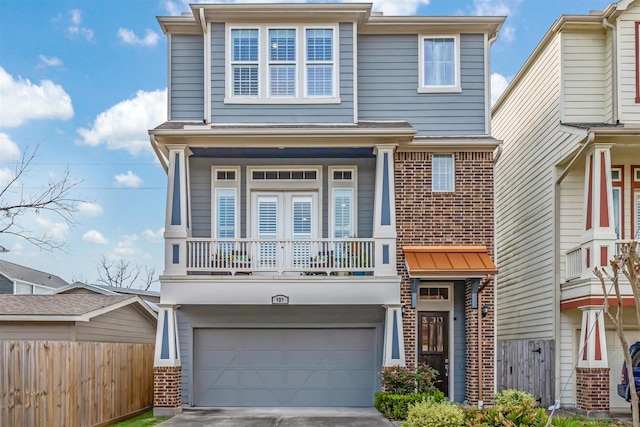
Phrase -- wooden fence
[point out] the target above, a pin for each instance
(69, 384)
(528, 365)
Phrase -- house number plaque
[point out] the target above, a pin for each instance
(279, 299)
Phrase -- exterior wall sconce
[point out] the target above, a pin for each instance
(485, 310)
(403, 310)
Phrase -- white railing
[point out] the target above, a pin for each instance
(308, 256)
(574, 263)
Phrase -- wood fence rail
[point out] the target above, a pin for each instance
(69, 384)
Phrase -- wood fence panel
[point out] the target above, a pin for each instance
(527, 365)
(69, 384)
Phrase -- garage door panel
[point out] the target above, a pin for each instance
(284, 367)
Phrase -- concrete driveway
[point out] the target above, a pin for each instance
(279, 417)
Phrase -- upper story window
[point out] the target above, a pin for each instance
(443, 173)
(294, 64)
(225, 202)
(342, 191)
(439, 64)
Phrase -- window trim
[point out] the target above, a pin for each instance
(217, 184)
(422, 87)
(263, 96)
(453, 172)
(351, 184)
(635, 196)
(619, 184)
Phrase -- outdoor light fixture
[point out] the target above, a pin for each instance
(485, 310)
(403, 310)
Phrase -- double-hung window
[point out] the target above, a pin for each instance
(282, 64)
(439, 63)
(443, 173)
(225, 213)
(343, 196)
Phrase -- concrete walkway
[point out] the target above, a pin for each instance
(278, 417)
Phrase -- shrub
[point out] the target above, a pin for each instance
(426, 378)
(431, 414)
(396, 406)
(403, 380)
(514, 397)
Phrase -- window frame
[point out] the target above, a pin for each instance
(225, 184)
(453, 173)
(264, 62)
(635, 200)
(422, 86)
(351, 184)
(618, 184)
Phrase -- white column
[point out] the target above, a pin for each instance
(177, 222)
(384, 216)
(393, 353)
(167, 351)
(593, 343)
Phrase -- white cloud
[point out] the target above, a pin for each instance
(124, 126)
(51, 62)
(90, 209)
(128, 180)
(76, 29)
(6, 176)
(9, 150)
(56, 231)
(23, 101)
(129, 37)
(95, 237)
(498, 8)
(126, 247)
(174, 8)
(498, 84)
(153, 236)
(508, 33)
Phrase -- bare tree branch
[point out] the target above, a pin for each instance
(122, 274)
(54, 198)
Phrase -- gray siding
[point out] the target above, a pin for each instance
(187, 77)
(281, 113)
(125, 325)
(190, 316)
(200, 179)
(388, 83)
(459, 343)
(59, 331)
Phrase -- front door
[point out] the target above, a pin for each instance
(284, 223)
(433, 344)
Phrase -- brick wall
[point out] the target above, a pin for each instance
(460, 218)
(593, 389)
(166, 386)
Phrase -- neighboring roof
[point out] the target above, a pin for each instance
(64, 307)
(26, 274)
(108, 290)
(448, 261)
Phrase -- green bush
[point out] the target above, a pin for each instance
(431, 414)
(514, 397)
(403, 380)
(396, 406)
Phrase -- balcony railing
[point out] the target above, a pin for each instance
(574, 263)
(281, 256)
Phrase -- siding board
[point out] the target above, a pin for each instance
(187, 77)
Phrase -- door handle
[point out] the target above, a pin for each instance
(446, 368)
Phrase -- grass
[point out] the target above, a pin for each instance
(143, 420)
(578, 421)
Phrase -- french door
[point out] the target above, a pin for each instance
(284, 222)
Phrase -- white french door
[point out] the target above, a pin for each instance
(284, 222)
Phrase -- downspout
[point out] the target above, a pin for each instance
(487, 66)
(614, 70)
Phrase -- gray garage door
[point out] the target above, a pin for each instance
(284, 367)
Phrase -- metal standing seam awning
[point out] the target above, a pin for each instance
(448, 261)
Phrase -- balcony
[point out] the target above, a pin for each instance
(576, 261)
(280, 257)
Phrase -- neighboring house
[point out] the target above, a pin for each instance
(150, 297)
(17, 279)
(79, 317)
(568, 192)
(329, 208)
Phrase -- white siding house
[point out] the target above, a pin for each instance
(568, 192)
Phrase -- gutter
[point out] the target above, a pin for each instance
(161, 158)
(587, 142)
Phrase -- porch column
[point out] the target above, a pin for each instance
(167, 367)
(393, 354)
(599, 234)
(177, 221)
(592, 372)
(384, 216)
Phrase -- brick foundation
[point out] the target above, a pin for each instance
(167, 398)
(463, 217)
(592, 385)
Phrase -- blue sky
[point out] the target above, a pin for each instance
(82, 81)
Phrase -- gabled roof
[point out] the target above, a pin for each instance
(66, 307)
(448, 261)
(18, 272)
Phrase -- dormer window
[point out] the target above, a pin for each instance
(273, 64)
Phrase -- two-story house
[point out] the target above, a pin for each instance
(18, 279)
(329, 207)
(568, 192)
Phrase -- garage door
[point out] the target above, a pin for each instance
(616, 359)
(284, 367)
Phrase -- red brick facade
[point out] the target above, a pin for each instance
(166, 386)
(463, 217)
(593, 384)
